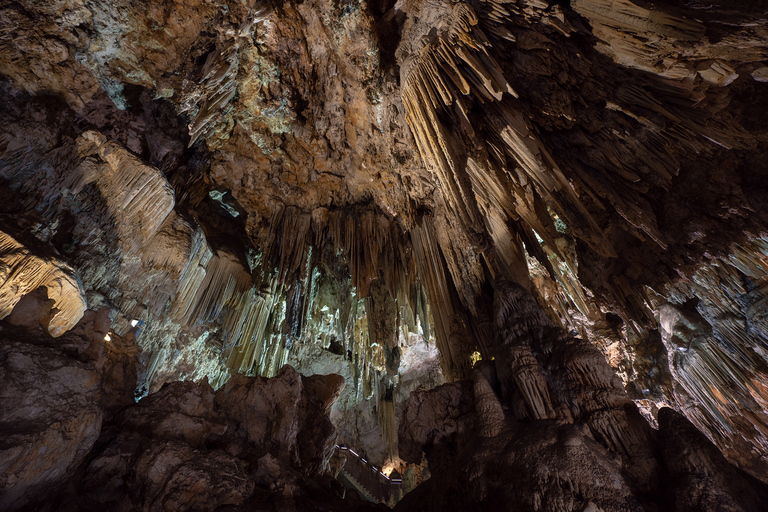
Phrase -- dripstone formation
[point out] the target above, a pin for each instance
(506, 254)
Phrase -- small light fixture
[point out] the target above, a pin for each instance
(107, 337)
(134, 322)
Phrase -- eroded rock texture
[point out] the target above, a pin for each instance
(594, 451)
(55, 394)
(255, 442)
(217, 188)
(71, 442)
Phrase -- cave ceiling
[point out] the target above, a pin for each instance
(224, 172)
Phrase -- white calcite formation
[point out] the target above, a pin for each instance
(558, 208)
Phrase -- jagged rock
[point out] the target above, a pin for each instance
(33, 310)
(434, 418)
(172, 476)
(179, 411)
(56, 392)
(243, 184)
(601, 455)
(535, 466)
(120, 372)
(699, 476)
(250, 402)
(49, 420)
(187, 447)
(317, 436)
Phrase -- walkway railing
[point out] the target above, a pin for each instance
(375, 483)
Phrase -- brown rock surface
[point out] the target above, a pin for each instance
(699, 476)
(50, 417)
(217, 188)
(598, 454)
(187, 447)
(434, 418)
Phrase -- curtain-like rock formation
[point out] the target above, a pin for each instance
(25, 272)
(351, 187)
(597, 454)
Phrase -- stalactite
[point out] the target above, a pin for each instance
(431, 268)
(716, 350)
(191, 278)
(625, 27)
(138, 196)
(226, 280)
(433, 84)
(218, 86)
(170, 248)
(22, 271)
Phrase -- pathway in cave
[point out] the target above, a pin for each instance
(362, 476)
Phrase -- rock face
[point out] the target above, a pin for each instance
(256, 442)
(53, 401)
(51, 418)
(187, 447)
(595, 451)
(217, 188)
(700, 477)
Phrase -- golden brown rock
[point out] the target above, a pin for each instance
(241, 184)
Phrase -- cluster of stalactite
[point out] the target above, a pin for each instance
(166, 275)
(497, 178)
(651, 39)
(199, 310)
(504, 206)
(22, 272)
(446, 71)
(207, 103)
(494, 171)
(713, 327)
(491, 443)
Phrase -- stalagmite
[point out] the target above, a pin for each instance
(489, 412)
(514, 230)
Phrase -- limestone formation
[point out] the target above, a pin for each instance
(24, 272)
(600, 454)
(51, 419)
(187, 447)
(489, 412)
(516, 231)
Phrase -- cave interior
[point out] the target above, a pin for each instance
(353, 255)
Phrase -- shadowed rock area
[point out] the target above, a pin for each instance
(359, 254)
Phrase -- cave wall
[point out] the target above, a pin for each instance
(215, 173)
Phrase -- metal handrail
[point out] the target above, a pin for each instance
(375, 482)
